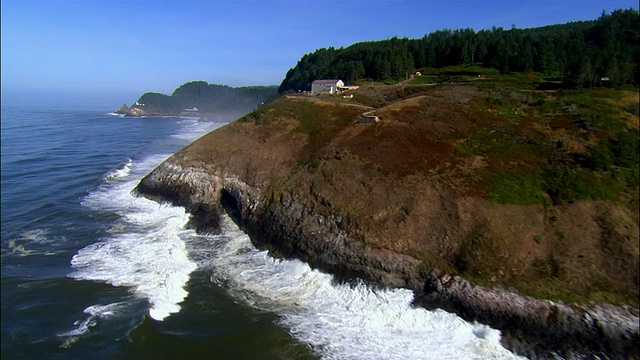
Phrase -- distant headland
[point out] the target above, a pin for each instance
(201, 99)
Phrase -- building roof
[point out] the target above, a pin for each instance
(325, 81)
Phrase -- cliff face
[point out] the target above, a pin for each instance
(389, 203)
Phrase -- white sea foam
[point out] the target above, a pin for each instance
(144, 249)
(81, 329)
(104, 311)
(193, 128)
(29, 242)
(120, 171)
(341, 321)
(36, 235)
(83, 326)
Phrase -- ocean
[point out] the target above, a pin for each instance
(90, 271)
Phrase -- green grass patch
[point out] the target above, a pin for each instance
(309, 116)
(314, 165)
(320, 122)
(515, 189)
(418, 80)
(258, 117)
(555, 289)
(597, 186)
(549, 107)
(567, 184)
(628, 176)
(487, 142)
(430, 262)
(469, 70)
(579, 97)
(406, 91)
(512, 81)
(633, 109)
(506, 112)
(523, 80)
(593, 109)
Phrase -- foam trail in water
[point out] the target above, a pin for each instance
(83, 326)
(341, 321)
(144, 250)
(121, 171)
(29, 243)
(194, 128)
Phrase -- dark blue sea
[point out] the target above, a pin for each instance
(89, 271)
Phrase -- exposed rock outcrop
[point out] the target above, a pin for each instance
(308, 195)
(137, 111)
(290, 228)
(122, 109)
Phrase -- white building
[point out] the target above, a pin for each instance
(326, 86)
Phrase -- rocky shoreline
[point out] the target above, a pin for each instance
(141, 111)
(290, 227)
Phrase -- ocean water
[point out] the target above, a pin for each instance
(90, 271)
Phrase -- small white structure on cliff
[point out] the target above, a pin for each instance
(326, 86)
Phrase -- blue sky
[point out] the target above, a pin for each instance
(117, 50)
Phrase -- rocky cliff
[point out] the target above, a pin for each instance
(395, 203)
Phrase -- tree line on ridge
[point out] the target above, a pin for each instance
(581, 53)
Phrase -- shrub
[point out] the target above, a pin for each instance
(559, 182)
(517, 189)
(595, 185)
(600, 157)
(633, 108)
(625, 149)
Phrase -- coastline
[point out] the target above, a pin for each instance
(530, 327)
(394, 203)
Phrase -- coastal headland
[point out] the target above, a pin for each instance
(202, 100)
(479, 195)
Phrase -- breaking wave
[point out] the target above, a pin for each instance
(120, 171)
(340, 321)
(143, 250)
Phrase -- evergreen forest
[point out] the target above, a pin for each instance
(209, 98)
(580, 54)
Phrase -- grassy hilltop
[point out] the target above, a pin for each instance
(486, 177)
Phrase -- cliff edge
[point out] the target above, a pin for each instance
(451, 194)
